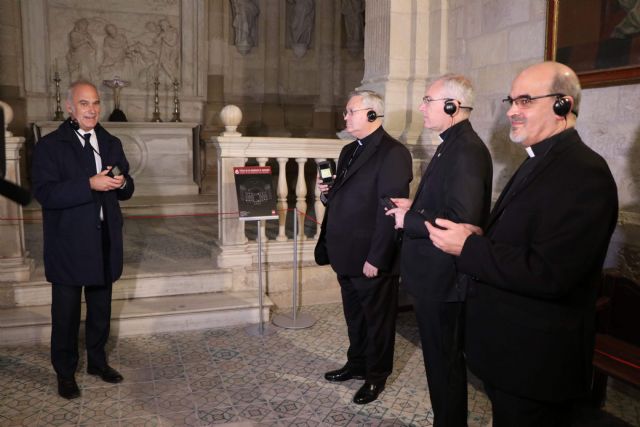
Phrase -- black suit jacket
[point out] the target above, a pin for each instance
(355, 224)
(530, 326)
(457, 186)
(71, 210)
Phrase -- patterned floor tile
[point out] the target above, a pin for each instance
(135, 408)
(224, 376)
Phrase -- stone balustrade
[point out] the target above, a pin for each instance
(293, 162)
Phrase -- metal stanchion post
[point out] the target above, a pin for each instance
(260, 329)
(294, 320)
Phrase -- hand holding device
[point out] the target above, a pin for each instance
(325, 169)
(115, 171)
(387, 203)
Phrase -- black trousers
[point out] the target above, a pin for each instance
(510, 410)
(370, 308)
(65, 320)
(441, 326)
(65, 317)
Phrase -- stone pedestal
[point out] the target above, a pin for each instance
(160, 155)
(15, 263)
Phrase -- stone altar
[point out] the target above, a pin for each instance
(160, 155)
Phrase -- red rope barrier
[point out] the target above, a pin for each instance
(617, 359)
(207, 214)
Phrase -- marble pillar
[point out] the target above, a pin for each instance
(15, 263)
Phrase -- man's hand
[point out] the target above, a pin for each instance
(398, 214)
(452, 238)
(369, 270)
(102, 182)
(402, 203)
(324, 187)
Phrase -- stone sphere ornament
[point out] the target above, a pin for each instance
(231, 116)
(8, 117)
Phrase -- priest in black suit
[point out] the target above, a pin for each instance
(530, 317)
(361, 242)
(79, 174)
(456, 185)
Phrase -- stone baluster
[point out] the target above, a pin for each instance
(301, 196)
(319, 207)
(262, 161)
(283, 191)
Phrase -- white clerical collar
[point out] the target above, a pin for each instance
(530, 152)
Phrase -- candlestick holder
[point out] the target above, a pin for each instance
(59, 115)
(176, 102)
(117, 115)
(156, 102)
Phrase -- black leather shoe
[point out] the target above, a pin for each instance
(68, 388)
(343, 374)
(367, 393)
(107, 374)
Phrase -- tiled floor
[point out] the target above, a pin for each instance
(225, 376)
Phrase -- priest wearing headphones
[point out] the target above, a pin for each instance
(79, 174)
(455, 185)
(361, 242)
(530, 316)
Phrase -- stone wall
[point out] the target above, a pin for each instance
(284, 88)
(492, 41)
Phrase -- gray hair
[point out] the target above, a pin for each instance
(370, 99)
(74, 85)
(458, 87)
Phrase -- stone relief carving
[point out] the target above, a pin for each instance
(245, 24)
(81, 56)
(353, 11)
(155, 52)
(301, 25)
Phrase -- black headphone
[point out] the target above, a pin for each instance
(372, 115)
(73, 123)
(562, 106)
(450, 107)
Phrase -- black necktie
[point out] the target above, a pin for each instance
(90, 161)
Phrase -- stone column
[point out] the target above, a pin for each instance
(325, 31)
(396, 50)
(15, 263)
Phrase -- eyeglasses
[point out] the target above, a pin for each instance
(427, 99)
(349, 111)
(524, 101)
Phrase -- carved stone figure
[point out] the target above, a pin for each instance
(245, 24)
(353, 11)
(81, 56)
(168, 41)
(302, 21)
(114, 51)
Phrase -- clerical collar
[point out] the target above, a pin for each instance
(449, 130)
(373, 135)
(544, 146)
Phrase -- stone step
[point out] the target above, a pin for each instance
(158, 283)
(32, 324)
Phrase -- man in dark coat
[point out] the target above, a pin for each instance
(79, 174)
(530, 316)
(456, 185)
(361, 242)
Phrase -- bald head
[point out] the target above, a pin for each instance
(545, 98)
(558, 78)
